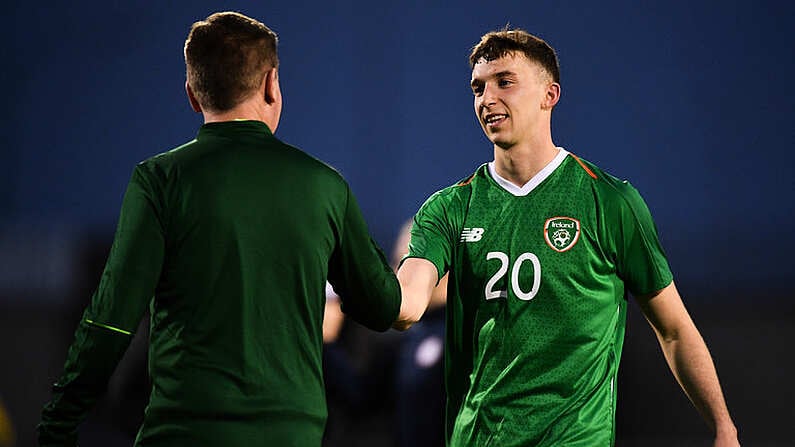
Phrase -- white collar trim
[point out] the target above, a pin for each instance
(533, 182)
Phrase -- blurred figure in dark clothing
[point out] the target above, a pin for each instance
(385, 389)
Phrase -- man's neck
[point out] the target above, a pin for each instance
(520, 163)
(247, 110)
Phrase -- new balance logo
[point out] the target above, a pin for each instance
(471, 234)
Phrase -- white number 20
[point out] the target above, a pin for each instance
(504, 262)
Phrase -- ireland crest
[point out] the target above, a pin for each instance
(561, 233)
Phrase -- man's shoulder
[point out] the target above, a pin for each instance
(289, 158)
(161, 164)
(311, 162)
(610, 189)
(168, 157)
(459, 190)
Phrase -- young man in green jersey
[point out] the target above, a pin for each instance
(229, 239)
(541, 247)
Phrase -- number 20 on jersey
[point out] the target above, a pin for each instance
(515, 269)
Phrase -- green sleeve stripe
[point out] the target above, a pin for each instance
(110, 328)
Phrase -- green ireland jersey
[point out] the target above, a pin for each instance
(536, 304)
(229, 239)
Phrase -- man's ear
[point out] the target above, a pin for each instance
(194, 104)
(552, 97)
(272, 91)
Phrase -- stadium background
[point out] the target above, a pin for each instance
(691, 101)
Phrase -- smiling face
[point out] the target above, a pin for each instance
(514, 97)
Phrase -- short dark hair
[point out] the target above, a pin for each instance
(226, 56)
(496, 44)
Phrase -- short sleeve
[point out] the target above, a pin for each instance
(641, 261)
(431, 233)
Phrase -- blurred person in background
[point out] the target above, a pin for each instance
(359, 368)
(541, 248)
(419, 392)
(385, 389)
(229, 240)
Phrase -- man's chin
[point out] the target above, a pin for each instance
(502, 143)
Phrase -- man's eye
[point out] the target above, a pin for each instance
(504, 83)
(477, 91)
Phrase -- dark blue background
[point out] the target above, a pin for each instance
(692, 103)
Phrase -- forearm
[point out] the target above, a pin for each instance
(412, 306)
(106, 328)
(91, 360)
(417, 278)
(691, 363)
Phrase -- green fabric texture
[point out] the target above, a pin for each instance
(229, 240)
(536, 306)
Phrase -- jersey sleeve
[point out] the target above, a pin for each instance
(114, 312)
(432, 235)
(640, 259)
(361, 275)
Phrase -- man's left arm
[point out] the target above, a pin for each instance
(108, 323)
(689, 359)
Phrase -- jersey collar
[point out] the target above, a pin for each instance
(533, 182)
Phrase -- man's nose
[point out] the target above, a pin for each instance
(489, 95)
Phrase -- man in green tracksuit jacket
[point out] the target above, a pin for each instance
(228, 239)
